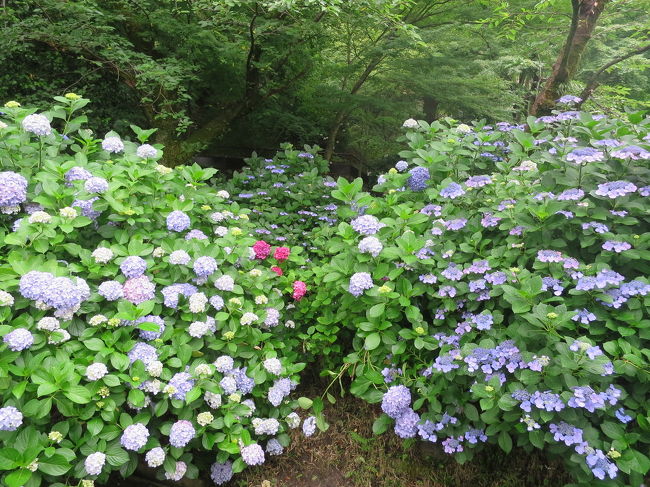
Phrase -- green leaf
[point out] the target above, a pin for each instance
(9, 458)
(372, 341)
(305, 402)
(116, 456)
(505, 442)
(377, 310)
(78, 394)
(18, 478)
(54, 465)
(381, 424)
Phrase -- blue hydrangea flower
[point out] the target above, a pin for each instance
(396, 400)
(220, 473)
(134, 437)
(177, 221)
(13, 189)
(360, 282)
(10, 418)
(181, 433)
(133, 266)
(418, 178)
(452, 191)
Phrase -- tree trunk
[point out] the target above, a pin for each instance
(430, 107)
(583, 21)
(180, 150)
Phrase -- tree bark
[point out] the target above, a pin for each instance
(592, 84)
(430, 107)
(583, 21)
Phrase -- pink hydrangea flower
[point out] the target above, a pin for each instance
(299, 290)
(277, 270)
(261, 249)
(282, 253)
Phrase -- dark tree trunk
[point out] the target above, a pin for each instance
(430, 108)
(583, 21)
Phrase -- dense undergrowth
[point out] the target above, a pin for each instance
(492, 288)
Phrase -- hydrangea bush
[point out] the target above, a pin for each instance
(139, 320)
(494, 289)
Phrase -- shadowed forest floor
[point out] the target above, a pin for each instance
(349, 455)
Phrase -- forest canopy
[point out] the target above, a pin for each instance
(218, 75)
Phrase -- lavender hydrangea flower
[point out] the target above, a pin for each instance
(182, 383)
(181, 433)
(177, 221)
(618, 247)
(568, 100)
(600, 465)
(418, 178)
(549, 256)
(133, 266)
(220, 473)
(367, 225)
(96, 185)
(139, 289)
(585, 154)
(225, 283)
(452, 191)
(144, 352)
(280, 389)
(406, 424)
(396, 401)
(360, 282)
(478, 181)
(77, 173)
(113, 145)
(155, 457)
(151, 335)
(13, 189)
(401, 166)
(19, 339)
(273, 447)
(566, 433)
(37, 124)
(134, 437)
(572, 194)
(205, 266)
(146, 151)
(10, 418)
(252, 454)
(615, 189)
(195, 234)
(584, 316)
(172, 293)
(633, 152)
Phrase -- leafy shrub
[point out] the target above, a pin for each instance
(137, 320)
(495, 290)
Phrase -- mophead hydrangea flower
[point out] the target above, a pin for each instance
(10, 418)
(37, 124)
(178, 221)
(134, 437)
(13, 189)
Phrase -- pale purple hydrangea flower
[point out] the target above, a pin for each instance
(220, 473)
(452, 191)
(549, 256)
(10, 418)
(134, 437)
(151, 335)
(360, 282)
(225, 283)
(396, 400)
(37, 124)
(585, 154)
(309, 426)
(418, 178)
(615, 189)
(144, 352)
(601, 466)
(19, 339)
(205, 266)
(133, 266)
(113, 145)
(367, 225)
(195, 234)
(96, 185)
(13, 189)
(615, 246)
(370, 245)
(173, 292)
(252, 454)
(139, 290)
(77, 174)
(633, 152)
(181, 433)
(146, 151)
(182, 382)
(177, 221)
(568, 100)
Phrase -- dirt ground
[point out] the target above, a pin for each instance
(349, 455)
